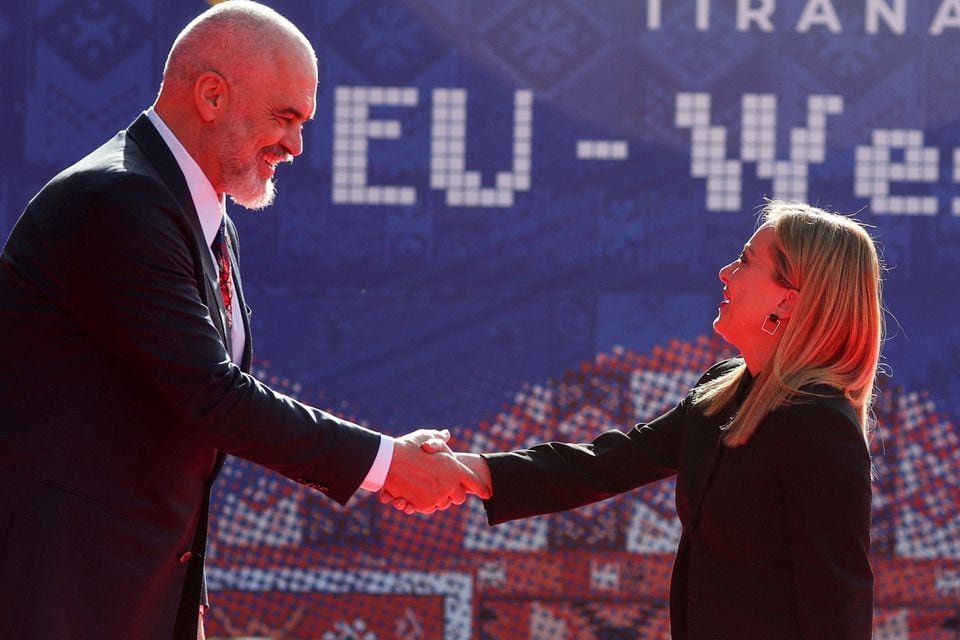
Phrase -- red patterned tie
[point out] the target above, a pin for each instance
(221, 250)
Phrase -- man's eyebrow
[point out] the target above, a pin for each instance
(294, 113)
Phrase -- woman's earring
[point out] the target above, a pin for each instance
(770, 324)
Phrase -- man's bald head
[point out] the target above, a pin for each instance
(236, 38)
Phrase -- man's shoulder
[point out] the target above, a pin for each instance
(117, 160)
(113, 191)
(117, 170)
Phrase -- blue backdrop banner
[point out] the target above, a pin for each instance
(508, 221)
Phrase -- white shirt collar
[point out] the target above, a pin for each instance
(210, 207)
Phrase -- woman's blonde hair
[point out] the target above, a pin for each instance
(834, 333)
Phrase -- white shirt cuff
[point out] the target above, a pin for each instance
(381, 465)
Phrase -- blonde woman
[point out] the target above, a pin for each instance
(770, 450)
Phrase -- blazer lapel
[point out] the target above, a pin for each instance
(700, 457)
(155, 149)
(703, 451)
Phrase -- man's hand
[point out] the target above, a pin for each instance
(425, 476)
(474, 461)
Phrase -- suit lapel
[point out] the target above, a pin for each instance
(702, 451)
(155, 149)
(700, 457)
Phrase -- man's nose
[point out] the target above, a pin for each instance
(293, 141)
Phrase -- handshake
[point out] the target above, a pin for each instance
(426, 476)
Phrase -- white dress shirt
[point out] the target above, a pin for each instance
(211, 208)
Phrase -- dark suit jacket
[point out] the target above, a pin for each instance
(119, 401)
(776, 533)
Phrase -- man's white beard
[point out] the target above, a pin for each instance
(244, 184)
(257, 195)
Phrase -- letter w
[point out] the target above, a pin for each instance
(758, 143)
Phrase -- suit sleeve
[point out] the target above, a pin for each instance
(557, 476)
(824, 467)
(129, 276)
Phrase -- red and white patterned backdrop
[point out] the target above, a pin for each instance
(288, 564)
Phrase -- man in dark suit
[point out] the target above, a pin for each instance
(125, 377)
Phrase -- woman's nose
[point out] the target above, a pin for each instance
(725, 273)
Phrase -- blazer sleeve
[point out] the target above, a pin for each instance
(126, 267)
(823, 465)
(557, 476)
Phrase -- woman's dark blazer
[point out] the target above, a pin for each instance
(119, 402)
(776, 533)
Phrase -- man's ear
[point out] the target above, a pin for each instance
(787, 303)
(210, 95)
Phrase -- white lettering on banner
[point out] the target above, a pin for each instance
(603, 149)
(703, 15)
(894, 16)
(448, 152)
(708, 152)
(747, 13)
(948, 15)
(758, 141)
(893, 159)
(654, 14)
(819, 14)
(757, 144)
(956, 178)
(352, 129)
(876, 169)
